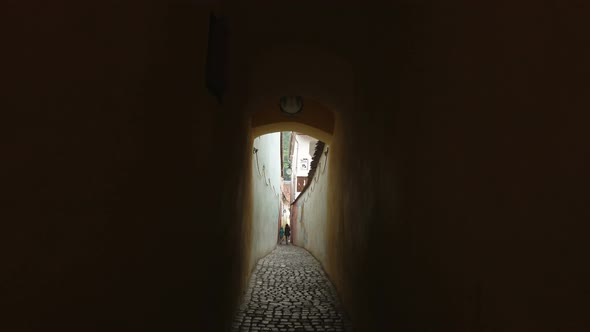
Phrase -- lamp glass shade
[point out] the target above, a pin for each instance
(291, 105)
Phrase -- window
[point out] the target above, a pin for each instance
(304, 164)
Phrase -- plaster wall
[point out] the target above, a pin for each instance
(118, 213)
(294, 178)
(303, 145)
(266, 175)
(311, 224)
(459, 202)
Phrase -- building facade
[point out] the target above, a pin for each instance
(303, 147)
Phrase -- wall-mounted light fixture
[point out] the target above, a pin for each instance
(254, 151)
(326, 152)
(291, 105)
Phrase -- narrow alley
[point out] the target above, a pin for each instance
(431, 159)
(289, 291)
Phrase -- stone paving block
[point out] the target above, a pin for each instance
(289, 291)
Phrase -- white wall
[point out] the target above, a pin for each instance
(294, 169)
(303, 151)
(304, 148)
(312, 213)
(266, 174)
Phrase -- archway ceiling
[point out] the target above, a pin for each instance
(324, 80)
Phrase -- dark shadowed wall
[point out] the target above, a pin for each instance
(460, 202)
(463, 203)
(121, 177)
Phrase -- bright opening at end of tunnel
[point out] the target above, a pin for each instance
(286, 169)
(288, 289)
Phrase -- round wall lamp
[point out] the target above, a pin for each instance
(291, 105)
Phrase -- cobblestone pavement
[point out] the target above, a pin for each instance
(289, 291)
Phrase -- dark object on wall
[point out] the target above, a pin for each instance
(291, 105)
(216, 71)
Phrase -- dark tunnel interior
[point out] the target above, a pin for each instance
(457, 195)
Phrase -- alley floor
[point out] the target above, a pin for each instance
(289, 291)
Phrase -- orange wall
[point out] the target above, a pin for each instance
(314, 119)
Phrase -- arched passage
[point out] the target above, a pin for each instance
(315, 120)
(325, 81)
(265, 178)
(314, 124)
